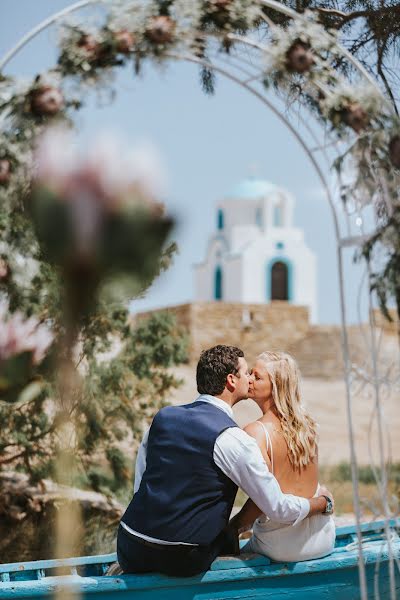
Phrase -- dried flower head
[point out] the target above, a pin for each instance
(106, 179)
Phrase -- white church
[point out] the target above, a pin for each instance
(256, 254)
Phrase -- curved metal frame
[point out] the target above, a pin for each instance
(342, 242)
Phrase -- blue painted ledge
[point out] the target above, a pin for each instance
(247, 576)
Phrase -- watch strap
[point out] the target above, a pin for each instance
(329, 505)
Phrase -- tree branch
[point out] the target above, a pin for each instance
(357, 14)
(382, 75)
(9, 459)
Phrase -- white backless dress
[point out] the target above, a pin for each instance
(313, 537)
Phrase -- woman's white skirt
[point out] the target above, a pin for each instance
(313, 537)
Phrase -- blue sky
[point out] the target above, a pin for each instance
(207, 145)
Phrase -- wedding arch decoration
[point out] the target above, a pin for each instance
(298, 70)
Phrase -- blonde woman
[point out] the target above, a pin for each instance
(287, 437)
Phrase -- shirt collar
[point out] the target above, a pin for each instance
(216, 402)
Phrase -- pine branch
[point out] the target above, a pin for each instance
(6, 460)
(370, 14)
(382, 75)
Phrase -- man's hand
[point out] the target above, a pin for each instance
(318, 504)
(323, 491)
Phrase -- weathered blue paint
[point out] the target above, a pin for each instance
(249, 576)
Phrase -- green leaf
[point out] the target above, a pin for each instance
(16, 370)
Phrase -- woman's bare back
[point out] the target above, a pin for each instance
(300, 483)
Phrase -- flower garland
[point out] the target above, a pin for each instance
(300, 59)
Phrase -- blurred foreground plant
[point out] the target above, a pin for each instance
(87, 223)
(96, 215)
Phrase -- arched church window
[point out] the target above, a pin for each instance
(259, 216)
(220, 219)
(218, 284)
(279, 281)
(278, 217)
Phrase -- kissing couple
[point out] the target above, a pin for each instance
(194, 458)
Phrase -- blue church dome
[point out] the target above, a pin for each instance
(250, 188)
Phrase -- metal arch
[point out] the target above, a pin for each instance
(270, 3)
(345, 342)
(230, 61)
(43, 25)
(281, 117)
(80, 5)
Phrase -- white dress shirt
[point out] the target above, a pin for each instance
(239, 457)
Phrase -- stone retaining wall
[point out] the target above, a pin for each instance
(277, 326)
(253, 327)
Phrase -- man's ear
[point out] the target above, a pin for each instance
(230, 383)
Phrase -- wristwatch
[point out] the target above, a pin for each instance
(329, 505)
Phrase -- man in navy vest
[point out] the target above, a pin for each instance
(188, 469)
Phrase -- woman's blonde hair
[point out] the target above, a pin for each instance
(298, 428)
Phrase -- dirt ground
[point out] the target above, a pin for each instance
(326, 401)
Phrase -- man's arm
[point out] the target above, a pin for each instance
(140, 466)
(249, 512)
(239, 457)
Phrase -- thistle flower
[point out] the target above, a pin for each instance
(107, 172)
(96, 213)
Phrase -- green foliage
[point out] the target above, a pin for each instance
(154, 348)
(385, 273)
(116, 398)
(342, 472)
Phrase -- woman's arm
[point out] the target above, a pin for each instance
(249, 512)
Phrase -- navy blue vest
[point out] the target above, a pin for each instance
(183, 495)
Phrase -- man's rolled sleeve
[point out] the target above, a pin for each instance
(304, 510)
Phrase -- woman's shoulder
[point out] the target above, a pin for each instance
(276, 439)
(272, 427)
(256, 430)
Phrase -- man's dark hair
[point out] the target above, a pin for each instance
(214, 366)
